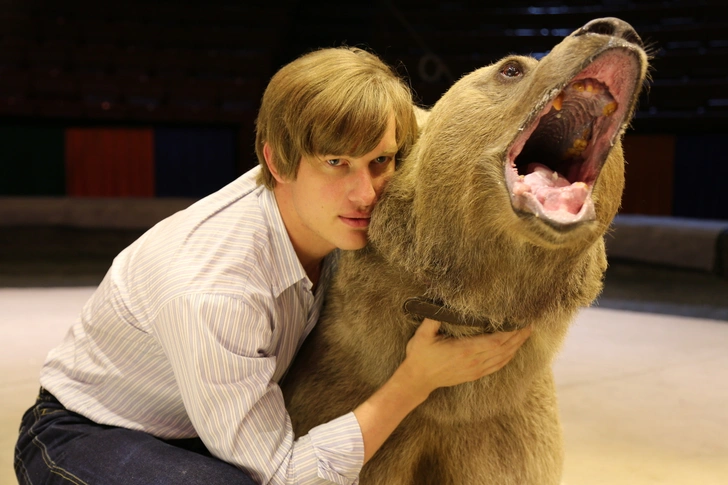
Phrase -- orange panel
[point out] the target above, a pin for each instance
(649, 174)
(109, 162)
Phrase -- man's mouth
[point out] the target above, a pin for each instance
(554, 163)
(356, 221)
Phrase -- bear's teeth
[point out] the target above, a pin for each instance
(609, 108)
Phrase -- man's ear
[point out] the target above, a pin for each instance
(268, 155)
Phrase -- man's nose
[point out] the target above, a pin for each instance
(363, 190)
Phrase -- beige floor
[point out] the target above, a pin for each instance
(644, 398)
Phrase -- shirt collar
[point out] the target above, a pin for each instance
(287, 265)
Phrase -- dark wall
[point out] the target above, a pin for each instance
(194, 65)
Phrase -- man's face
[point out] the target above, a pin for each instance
(333, 195)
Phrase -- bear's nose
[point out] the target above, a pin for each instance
(611, 26)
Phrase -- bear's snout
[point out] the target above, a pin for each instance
(613, 27)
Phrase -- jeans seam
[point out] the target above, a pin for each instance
(55, 469)
(52, 467)
(20, 468)
(48, 412)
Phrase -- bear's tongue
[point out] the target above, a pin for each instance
(552, 190)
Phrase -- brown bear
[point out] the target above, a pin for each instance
(495, 220)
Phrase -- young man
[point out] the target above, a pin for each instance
(170, 375)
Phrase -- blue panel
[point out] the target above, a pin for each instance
(193, 162)
(701, 176)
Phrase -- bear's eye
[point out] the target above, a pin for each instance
(511, 70)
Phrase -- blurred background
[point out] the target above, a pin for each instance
(114, 115)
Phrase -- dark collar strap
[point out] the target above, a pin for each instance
(427, 308)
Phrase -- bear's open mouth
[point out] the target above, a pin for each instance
(553, 164)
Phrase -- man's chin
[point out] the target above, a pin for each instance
(352, 243)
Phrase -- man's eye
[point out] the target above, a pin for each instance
(383, 159)
(334, 162)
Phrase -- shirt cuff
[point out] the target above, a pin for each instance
(339, 449)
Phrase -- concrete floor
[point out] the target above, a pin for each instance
(642, 395)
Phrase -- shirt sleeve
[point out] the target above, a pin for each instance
(215, 346)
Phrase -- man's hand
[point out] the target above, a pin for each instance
(435, 361)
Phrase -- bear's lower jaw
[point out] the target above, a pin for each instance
(547, 193)
(561, 207)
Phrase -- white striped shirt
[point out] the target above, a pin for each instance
(191, 330)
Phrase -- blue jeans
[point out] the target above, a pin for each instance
(57, 446)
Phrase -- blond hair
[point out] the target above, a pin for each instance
(335, 101)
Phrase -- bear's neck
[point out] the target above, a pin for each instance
(494, 276)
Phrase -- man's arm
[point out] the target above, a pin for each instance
(213, 344)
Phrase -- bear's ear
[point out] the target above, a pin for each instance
(421, 114)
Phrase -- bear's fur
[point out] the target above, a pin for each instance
(454, 226)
